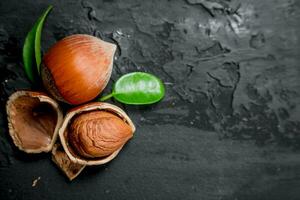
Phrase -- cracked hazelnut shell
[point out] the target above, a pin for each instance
(60, 158)
(77, 68)
(33, 121)
(101, 131)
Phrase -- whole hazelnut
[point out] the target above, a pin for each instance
(77, 68)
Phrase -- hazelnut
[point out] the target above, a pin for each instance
(94, 133)
(77, 68)
(98, 133)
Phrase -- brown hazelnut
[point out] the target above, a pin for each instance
(77, 68)
(98, 133)
(94, 133)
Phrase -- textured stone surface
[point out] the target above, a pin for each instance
(229, 126)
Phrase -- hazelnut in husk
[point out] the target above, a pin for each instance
(33, 120)
(77, 68)
(94, 133)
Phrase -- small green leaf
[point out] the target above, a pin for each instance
(137, 88)
(32, 48)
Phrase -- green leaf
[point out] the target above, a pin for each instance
(32, 48)
(137, 88)
(37, 46)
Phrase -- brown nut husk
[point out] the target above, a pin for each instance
(33, 121)
(98, 137)
(61, 159)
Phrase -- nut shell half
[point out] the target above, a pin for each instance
(60, 158)
(88, 108)
(33, 121)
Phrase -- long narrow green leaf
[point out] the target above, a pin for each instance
(28, 55)
(37, 46)
(32, 48)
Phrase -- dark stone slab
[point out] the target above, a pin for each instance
(229, 126)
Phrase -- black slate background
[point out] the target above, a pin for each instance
(229, 126)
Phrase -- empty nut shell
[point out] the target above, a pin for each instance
(33, 120)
